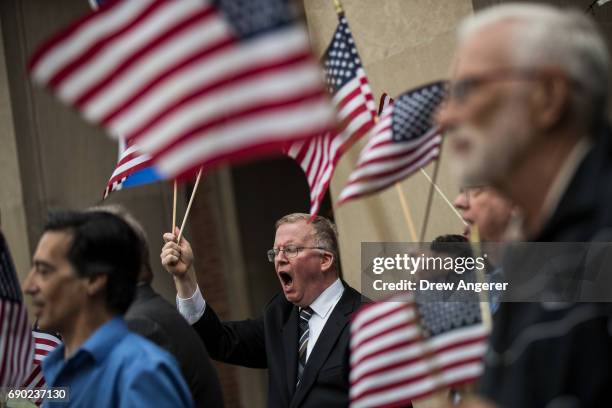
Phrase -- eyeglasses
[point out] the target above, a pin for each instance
(459, 91)
(290, 251)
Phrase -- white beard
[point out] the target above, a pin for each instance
(492, 153)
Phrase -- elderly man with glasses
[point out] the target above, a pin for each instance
(526, 115)
(302, 337)
(484, 208)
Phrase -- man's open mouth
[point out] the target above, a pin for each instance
(285, 278)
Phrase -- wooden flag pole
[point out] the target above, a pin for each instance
(452, 207)
(400, 193)
(195, 187)
(429, 201)
(174, 207)
(338, 7)
(485, 308)
(406, 211)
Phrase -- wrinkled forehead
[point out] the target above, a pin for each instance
(486, 49)
(299, 232)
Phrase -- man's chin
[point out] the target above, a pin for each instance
(45, 325)
(294, 298)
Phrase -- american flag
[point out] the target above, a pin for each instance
(134, 168)
(192, 82)
(403, 141)
(385, 101)
(132, 163)
(403, 350)
(354, 103)
(44, 343)
(16, 345)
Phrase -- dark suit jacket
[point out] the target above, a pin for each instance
(541, 356)
(271, 341)
(154, 318)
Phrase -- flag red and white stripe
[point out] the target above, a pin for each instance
(355, 109)
(385, 101)
(189, 82)
(131, 161)
(390, 156)
(393, 362)
(44, 343)
(16, 344)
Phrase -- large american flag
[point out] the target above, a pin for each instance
(354, 103)
(403, 350)
(44, 343)
(403, 141)
(16, 345)
(192, 82)
(134, 168)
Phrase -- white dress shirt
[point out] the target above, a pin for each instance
(193, 308)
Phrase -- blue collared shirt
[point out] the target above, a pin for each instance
(117, 368)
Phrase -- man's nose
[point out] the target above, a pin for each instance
(29, 286)
(281, 257)
(447, 116)
(461, 201)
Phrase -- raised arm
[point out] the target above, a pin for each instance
(177, 259)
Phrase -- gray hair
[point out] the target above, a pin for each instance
(544, 36)
(325, 232)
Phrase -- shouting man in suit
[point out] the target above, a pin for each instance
(303, 335)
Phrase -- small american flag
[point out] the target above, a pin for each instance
(403, 141)
(385, 102)
(402, 350)
(16, 345)
(44, 343)
(192, 82)
(134, 168)
(354, 103)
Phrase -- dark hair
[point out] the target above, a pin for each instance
(146, 271)
(452, 244)
(102, 243)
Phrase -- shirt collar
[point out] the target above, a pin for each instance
(327, 299)
(98, 345)
(102, 341)
(564, 176)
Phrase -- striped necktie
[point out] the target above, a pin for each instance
(305, 315)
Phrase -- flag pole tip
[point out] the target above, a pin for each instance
(338, 7)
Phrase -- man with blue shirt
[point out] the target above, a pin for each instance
(82, 281)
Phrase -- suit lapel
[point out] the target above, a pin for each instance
(327, 339)
(290, 339)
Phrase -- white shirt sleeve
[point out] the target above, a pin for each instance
(191, 308)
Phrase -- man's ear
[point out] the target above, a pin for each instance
(96, 284)
(327, 260)
(551, 100)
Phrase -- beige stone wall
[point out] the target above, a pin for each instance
(12, 212)
(402, 44)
